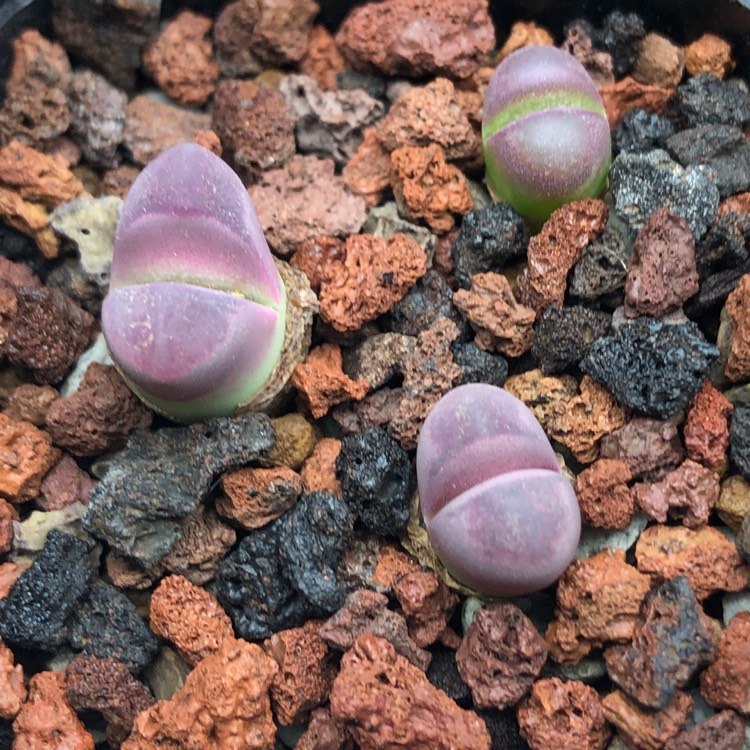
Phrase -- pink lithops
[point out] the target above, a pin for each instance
(499, 512)
(545, 132)
(195, 315)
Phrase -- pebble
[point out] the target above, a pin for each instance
(640, 131)
(709, 54)
(707, 100)
(724, 684)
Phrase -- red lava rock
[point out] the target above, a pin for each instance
(368, 172)
(118, 181)
(500, 656)
(645, 445)
(427, 115)
(564, 715)
(7, 516)
(322, 383)
(556, 249)
(689, 492)
(627, 94)
(585, 419)
(726, 682)
(323, 60)
(662, 274)
(65, 483)
(106, 686)
(598, 64)
(30, 403)
(366, 611)
(500, 322)
(255, 125)
(305, 673)
(254, 497)
(544, 395)
(722, 731)
(524, 34)
(660, 62)
(317, 257)
(603, 494)
(180, 59)
(12, 687)
(598, 601)
(46, 721)
(379, 358)
(428, 375)
(151, 126)
(737, 308)
(17, 274)
(9, 572)
(323, 733)
(190, 618)
(644, 728)
(319, 470)
(26, 455)
(706, 429)
(418, 38)
(709, 54)
(99, 415)
(707, 558)
(36, 103)
(303, 200)
(208, 140)
(374, 274)
(388, 702)
(671, 622)
(223, 699)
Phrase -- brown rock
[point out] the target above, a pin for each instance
(585, 419)
(627, 94)
(46, 721)
(117, 181)
(726, 682)
(525, 34)
(323, 60)
(368, 172)
(689, 493)
(379, 357)
(734, 501)
(30, 219)
(303, 200)
(181, 61)
(317, 257)
(722, 731)
(224, 698)
(12, 688)
(598, 601)
(598, 64)
(125, 574)
(8, 515)
(388, 702)
(709, 54)
(366, 611)
(295, 440)
(500, 322)
(99, 415)
(208, 140)
(544, 395)
(660, 62)
(706, 430)
(564, 715)
(704, 556)
(735, 204)
(671, 622)
(9, 573)
(254, 497)
(376, 409)
(151, 126)
(418, 38)
(255, 125)
(305, 674)
(190, 618)
(106, 686)
(604, 497)
(65, 483)
(30, 403)
(737, 307)
(642, 727)
(374, 275)
(500, 656)
(556, 249)
(323, 733)
(319, 470)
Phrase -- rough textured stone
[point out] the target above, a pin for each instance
(706, 428)
(734, 501)
(627, 94)
(323, 733)
(12, 688)
(739, 439)
(295, 440)
(705, 100)
(640, 131)
(323, 60)
(319, 470)
(578, 43)
(737, 367)
(726, 682)
(722, 731)
(660, 62)
(544, 396)
(602, 268)
(64, 484)
(604, 497)
(709, 54)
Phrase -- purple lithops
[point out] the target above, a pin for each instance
(194, 317)
(499, 512)
(545, 132)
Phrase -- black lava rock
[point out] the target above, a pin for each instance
(44, 596)
(443, 674)
(651, 367)
(377, 480)
(503, 729)
(725, 245)
(20, 248)
(739, 439)
(707, 100)
(640, 131)
(107, 625)
(161, 477)
(714, 290)
(603, 267)
(562, 336)
(352, 80)
(621, 35)
(478, 365)
(488, 239)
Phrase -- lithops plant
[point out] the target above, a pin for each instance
(195, 314)
(499, 512)
(545, 132)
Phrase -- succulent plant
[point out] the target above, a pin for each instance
(195, 314)
(545, 132)
(499, 512)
